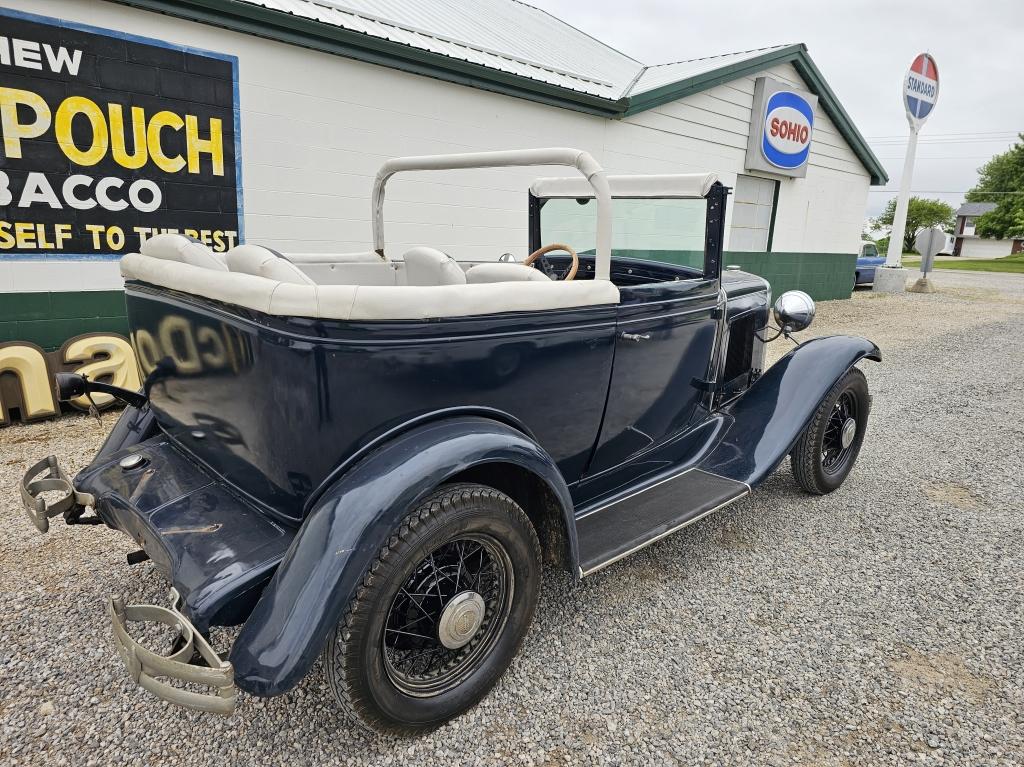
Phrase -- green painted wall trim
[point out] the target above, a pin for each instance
(50, 319)
(296, 30)
(824, 276)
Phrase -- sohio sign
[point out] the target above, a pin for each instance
(781, 129)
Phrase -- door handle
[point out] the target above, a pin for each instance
(638, 337)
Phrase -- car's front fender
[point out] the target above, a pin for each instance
(347, 528)
(768, 418)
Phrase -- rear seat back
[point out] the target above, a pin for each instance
(264, 262)
(178, 247)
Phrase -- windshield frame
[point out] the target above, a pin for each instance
(714, 225)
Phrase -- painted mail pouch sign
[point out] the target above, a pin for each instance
(108, 139)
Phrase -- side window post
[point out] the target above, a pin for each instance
(534, 206)
(714, 233)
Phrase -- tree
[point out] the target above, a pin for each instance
(921, 214)
(1001, 180)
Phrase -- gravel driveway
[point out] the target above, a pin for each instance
(882, 624)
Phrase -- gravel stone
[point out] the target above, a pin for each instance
(878, 625)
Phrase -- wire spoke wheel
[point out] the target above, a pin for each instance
(440, 612)
(828, 448)
(840, 430)
(447, 615)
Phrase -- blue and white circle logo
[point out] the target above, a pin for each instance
(788, 123)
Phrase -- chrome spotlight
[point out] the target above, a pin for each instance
(794, 311)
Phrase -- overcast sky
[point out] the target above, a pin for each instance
(863, 48)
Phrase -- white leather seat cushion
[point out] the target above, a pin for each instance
(504, 272)
(178, 247)
(422, 303)
(361, 257)
(264, 262)
(353, 273)
(363, 302)
(428, 266)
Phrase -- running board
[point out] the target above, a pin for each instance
(626, 524)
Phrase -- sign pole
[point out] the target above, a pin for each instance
(894, 256)
(928, 243)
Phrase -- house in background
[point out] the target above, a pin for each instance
(970, 245)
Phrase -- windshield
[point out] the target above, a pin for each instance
(666, 230)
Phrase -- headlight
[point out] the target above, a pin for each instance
(794, 311)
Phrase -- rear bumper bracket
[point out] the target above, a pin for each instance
(41, 511)
(145, 666)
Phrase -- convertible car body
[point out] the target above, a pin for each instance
(369, 455)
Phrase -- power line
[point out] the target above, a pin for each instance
(966, 133)
(932, 191)
(945, 141)
(950, 157)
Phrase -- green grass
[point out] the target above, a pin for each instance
(1013, 264)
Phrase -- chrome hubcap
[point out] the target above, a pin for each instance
(461, 619)
(848, 433)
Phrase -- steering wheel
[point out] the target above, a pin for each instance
(541, 252)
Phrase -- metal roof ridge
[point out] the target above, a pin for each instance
(632, 83)
(722, 55)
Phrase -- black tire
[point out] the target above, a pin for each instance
(373, 675)
(820, 462)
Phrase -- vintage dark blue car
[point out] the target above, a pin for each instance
(369, 458)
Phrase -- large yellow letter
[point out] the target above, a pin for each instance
(160, 121)
(119, 364)
(29, 366)
(15, 131)
(75, 105)
(117, 139)
(214, 145)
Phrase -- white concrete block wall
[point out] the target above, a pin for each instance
(315, 128)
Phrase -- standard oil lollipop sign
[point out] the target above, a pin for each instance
(108, 139)
(921, 89)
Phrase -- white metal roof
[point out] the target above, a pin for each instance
(506, 35)
(500, 34)
(509, 47)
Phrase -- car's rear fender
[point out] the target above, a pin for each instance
(770, 416)
(133, 426)
(348, 526)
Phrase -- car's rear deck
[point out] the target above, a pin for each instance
(215, 547)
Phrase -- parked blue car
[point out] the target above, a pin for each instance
(867, 261)
(367, 459)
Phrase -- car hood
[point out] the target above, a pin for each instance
(738, 283)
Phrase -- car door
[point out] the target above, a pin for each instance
(667, 265)
(663, 349)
